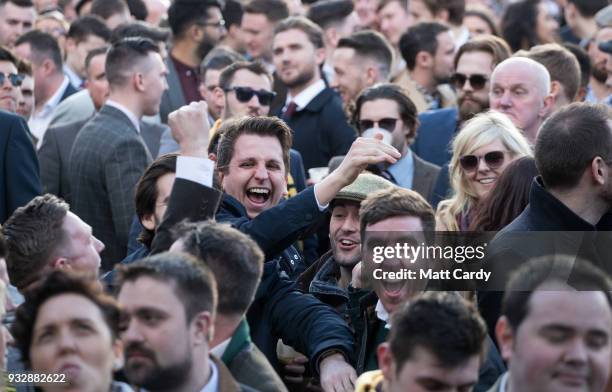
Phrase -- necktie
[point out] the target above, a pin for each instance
(291, 108)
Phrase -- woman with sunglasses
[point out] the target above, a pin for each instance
(481, 151)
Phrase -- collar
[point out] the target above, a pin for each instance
(239, 341)
(74, 79)
(382, 314)
(551, 214)
(403, 168)
(220, 348)
(55, 98)
(125, 111)
(213, 382)
(304, 98)
(503, 382)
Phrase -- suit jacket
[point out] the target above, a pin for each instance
(434, 135)
(77, 107)
(54, 153)
(247, 363)
(19, 180)
(107, 159)
(321, 130)
(425, 176)
(173, 98)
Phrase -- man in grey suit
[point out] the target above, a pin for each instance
(109, 154)
(386, 109)
(54, 154)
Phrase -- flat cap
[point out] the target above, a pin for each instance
(365, 184)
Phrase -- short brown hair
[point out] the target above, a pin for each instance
(308, 27)
(227, 75)
(33, 233)
(231, 130)
(495, 46)
(561, 64)
(274, 10)
(455, 8)
(392, 202)
(60, 282)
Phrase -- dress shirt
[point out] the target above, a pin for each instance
(40, 120)
(74, 79)
(403, 171)
(304, 98)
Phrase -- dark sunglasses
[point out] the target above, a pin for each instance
(384, 123)
(14, 78)
(493, 159)
(244, 94)
(477, 81)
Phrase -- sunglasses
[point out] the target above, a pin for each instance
(14, 79)
(493, 159)
(387, 124)
(477, 81)
(244, 94)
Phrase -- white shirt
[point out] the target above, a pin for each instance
(39, 122)
(220, 348)
(382, 314)
(503, 382)
(133, 119)
(74, 79)
(213, 382)
(303, 99)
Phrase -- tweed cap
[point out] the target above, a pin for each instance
(603, 17)
(365, 184)
(606, 47)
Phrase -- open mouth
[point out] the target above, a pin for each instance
(258, 195)
(486, 181)
(346, 244)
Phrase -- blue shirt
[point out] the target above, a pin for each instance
(403, 171)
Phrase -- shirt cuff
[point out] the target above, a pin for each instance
(321, 207)
(194, 169)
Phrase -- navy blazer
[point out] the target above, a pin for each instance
(19, 174)
(321, 130)
(435, 134)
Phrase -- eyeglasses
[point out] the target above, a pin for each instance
(477, 81)
(493, 159)
(218, 24)
(15, 79)
(244, 94)
(384, 123)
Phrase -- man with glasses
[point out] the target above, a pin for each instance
(387, 110)
(197, 27)
(474, 64)
(10, 81)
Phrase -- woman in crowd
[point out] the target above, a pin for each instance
(508, 198)
(527, 23)
(67, 325)
(480, 21)
(481, 151)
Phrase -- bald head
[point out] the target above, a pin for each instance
(520, 88)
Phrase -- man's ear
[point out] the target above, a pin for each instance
(371, 75)
(442, 16)
(138, 81)
(599, 170)
(423, 59)
(547, 106)
(203, 328)
(331, 36)
(60, 263)
(148, 221)
(505, 337)
(118, 360)
(385, 360)
(320, 56)
(70, 45)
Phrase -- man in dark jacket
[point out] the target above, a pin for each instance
(19, 180)
(568, 204)
(312, 110)
(251, 162)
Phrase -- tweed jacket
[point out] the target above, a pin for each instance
(107, 159)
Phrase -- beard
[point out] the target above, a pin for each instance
(601, 75)
(301, 79)
(468, 109)
(204, 47)
(155, 377)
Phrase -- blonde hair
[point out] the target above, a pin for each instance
(482, 129)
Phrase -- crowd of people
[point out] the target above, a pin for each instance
(191, 192)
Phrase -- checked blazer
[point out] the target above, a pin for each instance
(107, 159)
